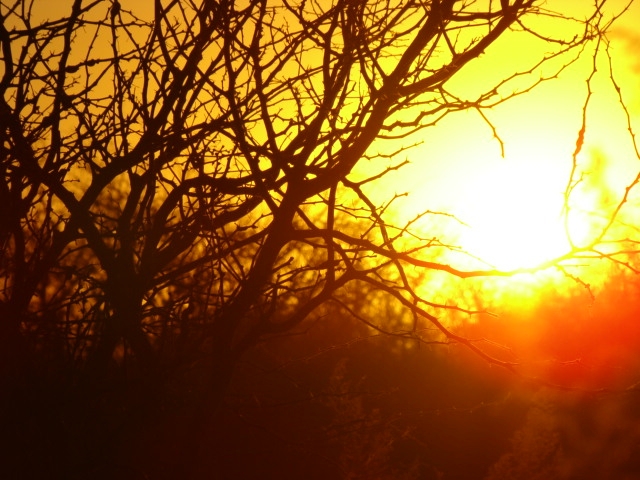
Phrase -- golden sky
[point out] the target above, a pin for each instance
(513, 204)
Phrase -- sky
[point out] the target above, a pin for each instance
(513, 204)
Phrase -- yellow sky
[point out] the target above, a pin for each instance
(514, 203)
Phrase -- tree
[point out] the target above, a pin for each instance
(180, 183)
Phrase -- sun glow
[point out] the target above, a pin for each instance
(513, 213)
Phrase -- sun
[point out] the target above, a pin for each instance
(513, 212)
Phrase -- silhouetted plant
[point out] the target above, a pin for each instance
(175, 178)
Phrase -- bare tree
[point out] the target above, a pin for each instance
(178, 183)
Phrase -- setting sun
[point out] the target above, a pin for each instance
(514, 216)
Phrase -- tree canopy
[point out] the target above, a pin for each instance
(184, 180)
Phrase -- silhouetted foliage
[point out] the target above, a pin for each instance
(184, 181)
